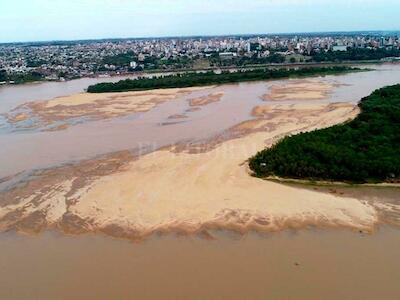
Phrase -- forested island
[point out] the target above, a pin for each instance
(364, 150)
(209, 78)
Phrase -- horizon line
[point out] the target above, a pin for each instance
(199, 35)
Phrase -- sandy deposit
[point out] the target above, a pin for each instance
(177, 117)
(205, 100)
(299, 90)
(187, 191)
(91, 107)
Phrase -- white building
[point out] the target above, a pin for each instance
(133, 64)
(339, 48)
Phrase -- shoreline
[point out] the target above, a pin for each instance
(151, 72)
(200, 79)
(325, 183)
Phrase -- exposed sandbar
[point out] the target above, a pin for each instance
(299, 90)
(205, 100)
(88, 106)
(177, 117)
(181, 190)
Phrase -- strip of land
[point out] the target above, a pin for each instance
(208, 78)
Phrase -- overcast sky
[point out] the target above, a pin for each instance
(33, 20)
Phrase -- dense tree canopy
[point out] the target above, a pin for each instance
(366, 149)
(355, 54)
(119, 60)
(19, 77)
(3, 75)
(200, 79)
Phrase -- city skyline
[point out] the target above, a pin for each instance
(23, 20)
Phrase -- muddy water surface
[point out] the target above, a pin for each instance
(33, 149)
(23, 150)
(305, 265)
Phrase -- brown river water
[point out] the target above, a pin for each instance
(312, 264)
(24, 150)
(305, 264)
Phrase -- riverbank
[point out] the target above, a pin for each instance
(321, 183)
(221, 68)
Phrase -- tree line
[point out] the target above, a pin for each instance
(355, 54)
(208, 78)
(20, 77)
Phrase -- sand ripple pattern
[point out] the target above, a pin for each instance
(186, 188)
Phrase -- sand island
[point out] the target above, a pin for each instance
(191, 186)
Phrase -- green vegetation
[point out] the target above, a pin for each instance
(25, 78)
(242, 61)
(3, 75)
(201, 79)
(355, 54)
(120, 60)
(366, 149)
(19, 78)
(123, 60)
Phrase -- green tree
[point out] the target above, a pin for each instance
(3, 75)
(365, 149)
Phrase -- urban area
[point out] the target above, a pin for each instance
(65, 60)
